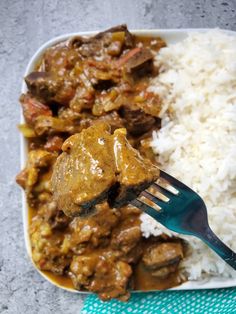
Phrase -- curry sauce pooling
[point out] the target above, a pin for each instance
(78, 83)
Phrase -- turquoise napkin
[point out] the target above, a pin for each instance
(221, 301)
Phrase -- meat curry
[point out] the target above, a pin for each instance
(99, 86)
(97, 166)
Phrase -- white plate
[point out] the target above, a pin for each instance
(170, 36)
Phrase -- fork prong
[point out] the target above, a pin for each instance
(173, 181)
(154, 199)
(146, 208)
(166, 185)
(153, 190)
(163, 191)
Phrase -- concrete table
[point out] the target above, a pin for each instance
(24, 26)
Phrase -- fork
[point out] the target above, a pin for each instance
(181, 210)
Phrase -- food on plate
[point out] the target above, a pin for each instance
(161, 96)
(89, 118)
(95, 166)
(162, 255)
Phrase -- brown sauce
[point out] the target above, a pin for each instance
(142, 278)
(101, 254)
(63, 281)
(144, 281)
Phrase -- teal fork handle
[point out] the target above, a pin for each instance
(219, 247)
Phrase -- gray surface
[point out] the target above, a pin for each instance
(24, 26)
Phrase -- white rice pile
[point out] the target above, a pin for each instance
(197, 141)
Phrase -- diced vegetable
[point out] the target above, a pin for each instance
(32, 108)
(127, 56)
(118, 36)
(26, 130)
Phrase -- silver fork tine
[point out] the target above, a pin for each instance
(146, 208)
(163, 191)
(174, 182)
(166, 185)
(153, 198)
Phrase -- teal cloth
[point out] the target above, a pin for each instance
(221, 301)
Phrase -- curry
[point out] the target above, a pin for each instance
(97, 166)
(86, 91)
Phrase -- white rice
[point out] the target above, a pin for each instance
(197, 141)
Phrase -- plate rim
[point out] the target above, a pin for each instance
(210, 283)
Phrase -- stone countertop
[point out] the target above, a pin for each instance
(24, 26)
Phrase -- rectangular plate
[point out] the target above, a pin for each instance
(171, 36)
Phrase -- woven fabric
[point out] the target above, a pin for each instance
(221, 301)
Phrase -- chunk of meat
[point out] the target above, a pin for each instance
(59, 59)
(96, 165)
(138, 60)
(37, 160)
(82, 268)
(127, 56)
(126, 236)
(135, 173)
(53, 125)
(128, 38)
(46, 247)
(87, 47)
(111, 280)
(82, 174)
(54, 143)
(163, 254)
(50, 88)
(32, 108)
(136, 121)
(83, 99)
(102, 273)
(42, 84)
(92, 230)
(102, 44)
